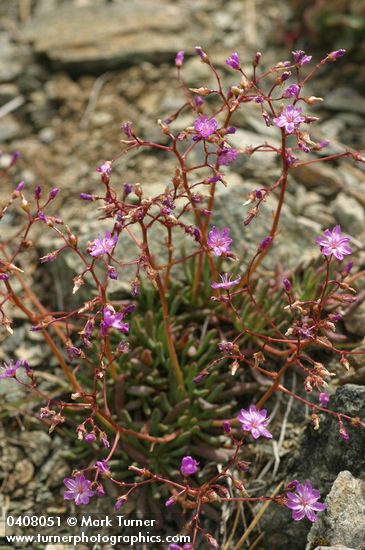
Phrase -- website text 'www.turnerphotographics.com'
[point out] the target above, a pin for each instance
(93, 529)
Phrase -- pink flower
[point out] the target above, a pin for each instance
(189, 466)
(226, 282)
(304, 502)
(300, 58)
(102, 466)
(103, 246)
(79, 490)
(289, 119)
(226, 155)
(334, 243)
(292, 91)
(219, 240)
(113, 320)
(254, 421)
(105, 168)
(324, 398)
(234, 61)
(205, 126)
(9, 371)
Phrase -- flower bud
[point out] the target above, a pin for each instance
(201, 91)
(25, 205)
(20, 186)
(179, 59)
(14, 158)
(287, 285)
(73, 240)
(315, 421)
(203, 56)
(121, 500)
(257, 58)
(265, 243)
(336, 54)
(312, 99)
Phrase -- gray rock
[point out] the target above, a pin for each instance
(349, 213)
(353, 179)
(345, 99)
(37, 445)
(324, 178)
(47, 135)
(296, 230)
(62, 88)
(344, 520)
(8, 92)
(309, 204)
(11, 64)
(23, 472)
(96, 38)
(355, 321)
(196, 74)
(321, 456)
(9, 128)
(245, 138)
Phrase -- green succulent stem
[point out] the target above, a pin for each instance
(170, 344)
(165, 313)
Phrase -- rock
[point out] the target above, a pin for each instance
(355, 321)
(101, 118)
(353, 179)
(11, 63)
(349, 213)
(321, 456)
(296, 230)
(55, 469)
(47, 135)
(309, 204)
(37, 445)
(97, 38)
(245, 138)
(333, 128)
(24, 471)
(62, 88)
(8, 92)
(9, 128)
(196, 74)
(345, 99)
(322, 177)
(344, 520)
